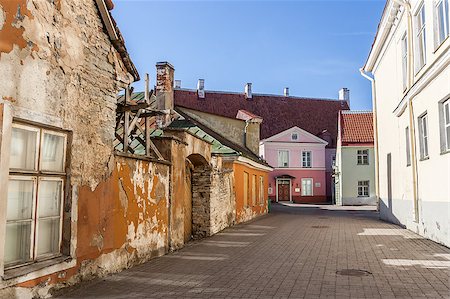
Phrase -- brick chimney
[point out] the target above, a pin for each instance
(164, 85)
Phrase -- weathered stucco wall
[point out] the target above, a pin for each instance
(122, 222)
(59, 69)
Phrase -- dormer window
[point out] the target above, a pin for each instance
(294, 136)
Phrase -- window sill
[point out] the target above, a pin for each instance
(445, 152)
(34, 267)
(424, 158)
(440, 45)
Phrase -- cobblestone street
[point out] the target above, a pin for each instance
(293, 252)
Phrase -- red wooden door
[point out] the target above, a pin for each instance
(283, 191)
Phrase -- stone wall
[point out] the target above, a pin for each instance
(223, 201)
(201, 201)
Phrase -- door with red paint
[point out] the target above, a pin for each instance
(284, 192)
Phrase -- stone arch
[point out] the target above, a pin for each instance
(197, 203)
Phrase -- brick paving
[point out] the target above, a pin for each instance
(292, 253)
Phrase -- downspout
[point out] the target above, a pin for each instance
(247, 122)
(407, 5)
(375, 130)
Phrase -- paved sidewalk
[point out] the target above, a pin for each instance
(294, 252)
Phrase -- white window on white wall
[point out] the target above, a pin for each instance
(420, 53)
(442, 21)
(423, 136)
(306, 159)
(407, 147)
(363, 157)
(283, 158)
(35, 194)
(307, 187)
(445, 126)
(404, 43)
(363, 188)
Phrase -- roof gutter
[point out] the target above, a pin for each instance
(116, 38)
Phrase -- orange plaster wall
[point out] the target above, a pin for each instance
(242, 213)
(105, 214)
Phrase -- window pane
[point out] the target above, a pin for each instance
(48, 236)
(23, 149)
(447, 112)
(20, 200)
(17, 243)
(49, 199)
(447, 131)
(52, 152)
(441, 22)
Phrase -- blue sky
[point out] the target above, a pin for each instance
(313, 47)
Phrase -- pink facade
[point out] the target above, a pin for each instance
(293, 178)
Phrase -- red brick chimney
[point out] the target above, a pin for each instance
(164, 85)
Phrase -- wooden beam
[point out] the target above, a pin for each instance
(134, 121)
(132, 107)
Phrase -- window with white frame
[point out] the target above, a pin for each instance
(420, 53)
(254, 190)
(423, 136)
(363, 157)
(407, 147)
(294, 136)
(445, 125)
(306, 159)
(35, 194)
(404, 43)
(307, 185)
(283, 158)
(442, 21)
(363, 188)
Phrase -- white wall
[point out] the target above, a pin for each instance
(433, 175)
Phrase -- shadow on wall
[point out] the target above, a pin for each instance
(386, 212)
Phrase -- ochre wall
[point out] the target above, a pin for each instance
(122, 222)
(247, 213)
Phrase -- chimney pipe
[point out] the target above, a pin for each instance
(201, 88)
(286, 91)
(344, 95)
(177, 83)
(248, 90)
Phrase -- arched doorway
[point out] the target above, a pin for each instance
(197, 197)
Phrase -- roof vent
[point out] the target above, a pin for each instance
(201, 88)
(286, 91)
(177, 83)
(248, 90)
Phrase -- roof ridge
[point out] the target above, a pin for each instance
(356, 111)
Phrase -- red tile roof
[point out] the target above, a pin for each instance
(279, 113)
(356, 127)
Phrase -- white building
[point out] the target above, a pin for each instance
(354, 172)
(409, 66)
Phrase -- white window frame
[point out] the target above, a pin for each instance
(362, 157)
(404, 45)
(423, 136)
(307, 159)
(363, 188)
(36, 175)
(445, 126)
(281, 163)
(407, 147)
(420, 37)
(446, 20)
(303, 186)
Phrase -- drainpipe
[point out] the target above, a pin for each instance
(375, 130)
(407, 5)
(247, 122)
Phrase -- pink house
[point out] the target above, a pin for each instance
(299, 161)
